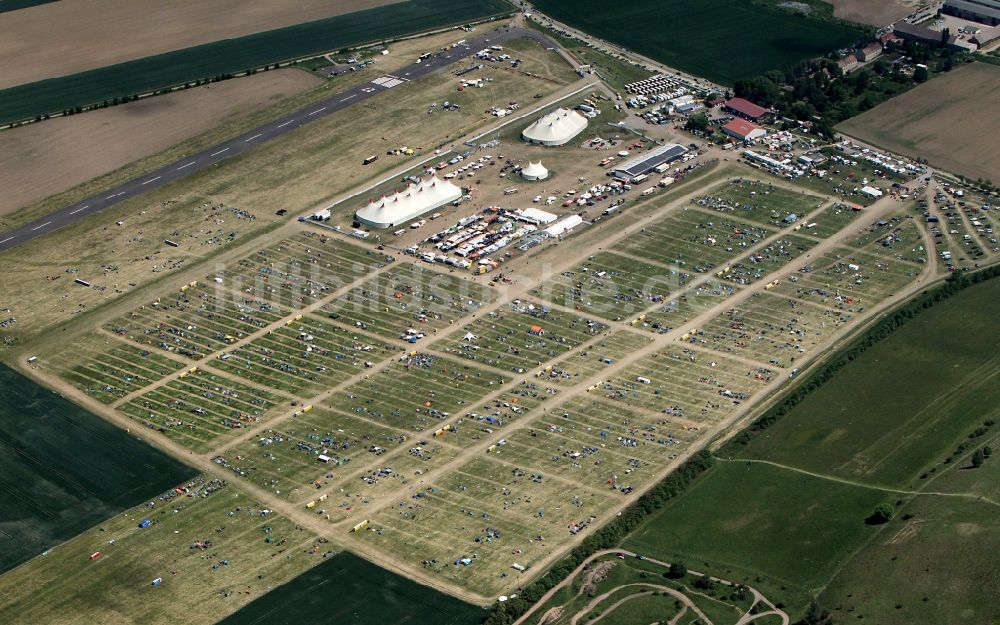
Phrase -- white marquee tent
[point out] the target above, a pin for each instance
(555, 128)
(415, 200)
(534, 171)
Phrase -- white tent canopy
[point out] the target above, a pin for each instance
(415, 200)
(555, 128)
(534, 171)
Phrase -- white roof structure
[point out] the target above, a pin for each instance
(537, 215)
(561, 227)
(871, 191)
(555, 128)
(412, 202)
(534, 171)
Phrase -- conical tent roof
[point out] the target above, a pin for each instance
(555, 128)
(535, 171)
(408, 204)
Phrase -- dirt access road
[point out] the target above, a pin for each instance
(62, 38)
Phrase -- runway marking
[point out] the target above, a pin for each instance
(186, 165)
(151, 180)
(389, 81)
(79, 209)
(5, 240)
(286, 123)
(109, 197)
(41, 226)
(117, 194)
(348, 97)
(252, 138)
(322, 108)
(219, 152)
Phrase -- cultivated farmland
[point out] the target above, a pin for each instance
(40, 160)
(758, 38)
(950, 121)
(235, 55)
(65, 469)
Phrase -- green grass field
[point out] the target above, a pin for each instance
(235, 55)
(350, 591)
(892, 436)
(62, 469)
(783, 525)
(872, 434)
(722, 40)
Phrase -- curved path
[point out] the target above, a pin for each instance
(759, 599)
(250, 139)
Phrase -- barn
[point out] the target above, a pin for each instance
(402, 206)
(745, 109)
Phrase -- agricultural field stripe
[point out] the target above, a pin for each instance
(186, 165)
(219, 152)
(322, 108)
(253, 137)
(39, 227)
(151, 180)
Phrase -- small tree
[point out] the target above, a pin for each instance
(978, 457)
(883, 513)
(698, 121)
(920, 75)
(677, 570)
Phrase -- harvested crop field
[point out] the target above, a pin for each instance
(877, 13)
(232, 56)
(39, 160)
(950, 121)
(62, 38)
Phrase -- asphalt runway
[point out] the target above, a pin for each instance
(255, 137)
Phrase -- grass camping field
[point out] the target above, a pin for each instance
(213, 548)
(949, 120)
(757, 38)
(65, 469)
(791, 506)
(229, 56)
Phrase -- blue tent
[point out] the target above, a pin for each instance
(145, 523)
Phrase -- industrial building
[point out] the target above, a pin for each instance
(402, 206)
(743, 130)
(656, 159)
(534, 171)
(745, 109)
(555, 128)
(982, 11)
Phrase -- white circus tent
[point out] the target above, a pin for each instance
(555, 128)
(402, 206)
(535, 171)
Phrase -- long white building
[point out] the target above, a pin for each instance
(555, 128)
(408, 204)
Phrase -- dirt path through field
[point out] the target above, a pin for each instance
(747, 617)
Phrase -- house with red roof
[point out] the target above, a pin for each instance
(743, 130)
